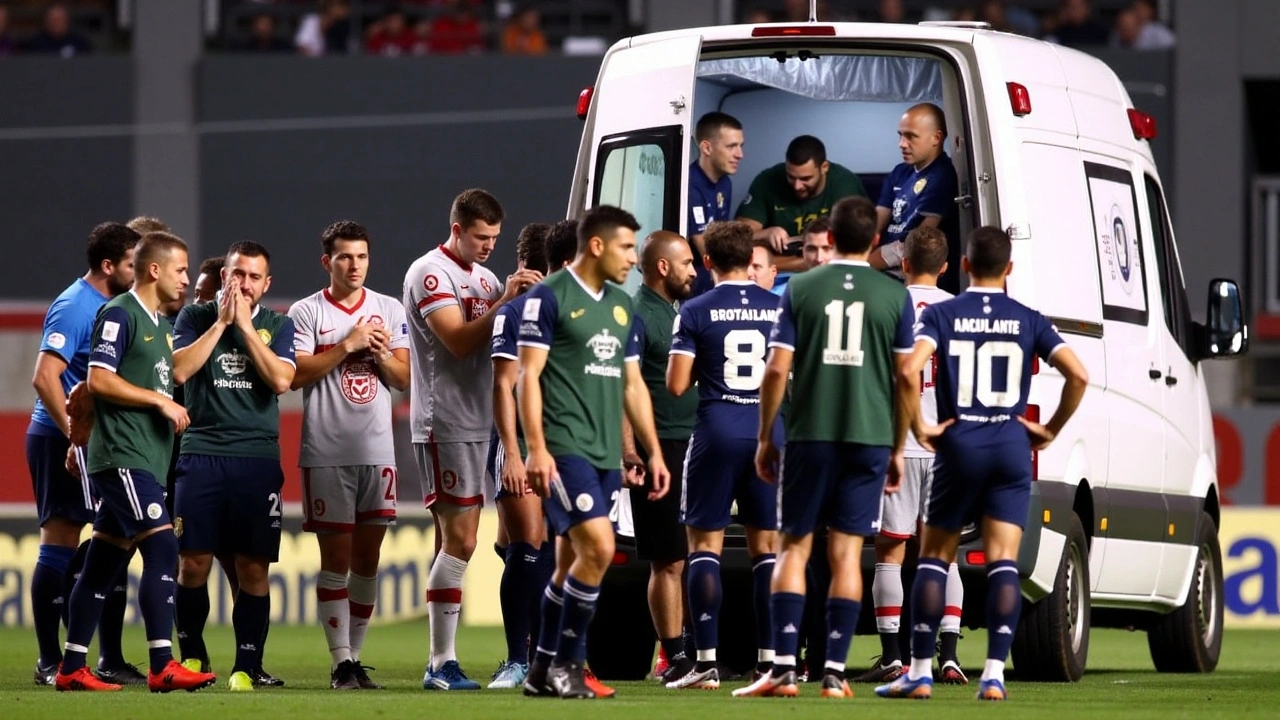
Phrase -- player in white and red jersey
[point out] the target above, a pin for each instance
(452, 301)
(924, 259)
(352, 348)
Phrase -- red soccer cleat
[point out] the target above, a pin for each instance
(660, 669)
(83, 680)
(601, 690)
(176, 677)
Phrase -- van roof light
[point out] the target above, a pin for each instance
(1019, 99)
(793, 31)
(1144, 126)
(584, 101)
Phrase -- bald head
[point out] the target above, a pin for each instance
(667, 263)
(921, 132)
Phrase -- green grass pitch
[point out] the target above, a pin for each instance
(1119, 684)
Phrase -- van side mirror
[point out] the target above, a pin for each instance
(1224, 333)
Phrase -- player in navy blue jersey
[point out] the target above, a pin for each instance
(985, 343)
(720, 343)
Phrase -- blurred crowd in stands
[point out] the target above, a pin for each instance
(70, 28)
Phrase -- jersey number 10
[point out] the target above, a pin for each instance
(975, 360)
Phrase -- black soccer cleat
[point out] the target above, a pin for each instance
(125, 674)
(262, 678)
(569, 681)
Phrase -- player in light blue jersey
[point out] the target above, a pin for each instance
(64, 502)
(985, 343)
(720, 344)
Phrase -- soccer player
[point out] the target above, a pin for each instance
(453, 300)
(720, 140)
(130, 378)
(235, 357)
(925, 259)
(719, 344)
(352, 348)
(209, 280)
(845, 326)
(579, 370)
(65, 502)
(762, 270)
(985, 343)
(667, 265)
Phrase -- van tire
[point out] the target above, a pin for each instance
(1189, 639)
(620, 641)
(1052, 639)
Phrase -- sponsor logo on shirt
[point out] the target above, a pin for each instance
(577, 313)
(162, 372)
(105, 348)
(605, 347)
(110, 330)
(431, 282)
(56, 340)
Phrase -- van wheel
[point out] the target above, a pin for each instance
(620, 641)
(1052, 641)
(1189, 639)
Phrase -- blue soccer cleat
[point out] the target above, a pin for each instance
(905, 687)
(448, 677)
(992, 690)
(509, 675)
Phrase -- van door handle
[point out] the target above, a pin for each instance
(1154, 374)
(1170, 380)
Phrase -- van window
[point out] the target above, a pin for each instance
(1122, 265)
(1173, 292)
(640, 172)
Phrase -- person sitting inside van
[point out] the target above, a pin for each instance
(815, 250)
(920, 191)
(782, 199)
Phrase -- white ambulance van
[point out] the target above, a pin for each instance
(1047, 144)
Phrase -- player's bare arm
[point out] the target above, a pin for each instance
(909, 382)
(1075, 380)
(907, 404)
(772, 389)
(540, 467)
(505, 375)
(277, 373)
(189, 360)
(639, 411)
(107, 385)
(312, 368)
(632, 466)
(464, 338)
(876, 258)
(679, 373)
(79, 414)
(47, 382)
(393, 365)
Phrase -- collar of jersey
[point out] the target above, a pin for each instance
(985, 290)
(597, 296)
(444, 248)
(842, 261)
(155, 316)
(737, 282)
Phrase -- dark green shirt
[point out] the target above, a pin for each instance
(234, 412)
(655, 318)
(138, 347)
(771, 201)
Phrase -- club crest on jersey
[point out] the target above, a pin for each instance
(431, 282)
(484, 285)
(177, 526)
(265, 334)
(359, 384)
(476, 308)
(169, 339)
(375, 320)
(620, 315)
(919, 185)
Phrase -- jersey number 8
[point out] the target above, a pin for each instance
(743, 350)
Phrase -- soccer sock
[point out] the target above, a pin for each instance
(552, 609)
(101, 563)
(444, 603)
(788, 609)
(950, 628)
(500, 551)
(761, 576)
(155, 595)
(111, 626)
(705, 594)
(546, 566)
(363, 594)
(248, 618)
(928, 601)
(69, 579)
(48, 599)
(842, 620)
(519, 583)
(886, 592)
(191, 611)
(579, 606)
(1004, 603)
(673, 648)
(333, 609)
(262, 646)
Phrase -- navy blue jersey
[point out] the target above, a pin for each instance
(708, 203)
(985, 344)
(726, 331)
(912, 195)
(506, 329)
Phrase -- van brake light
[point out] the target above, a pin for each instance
(794, 31)
(1019, 99)
(584, 101)
(1144, 126)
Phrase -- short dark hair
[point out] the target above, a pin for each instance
(144, 224)
(709, 125)
(342, 230)
(728, 244)
(926, 250)
(768, 248)
(249, 248)
(110, 242)
(853, 225)
(805, 148)
(154, 247)
(213, 267)
(603, 222)
(989, 250)
(475, 205)
(531, 246)
(562, 244)
(818, 225)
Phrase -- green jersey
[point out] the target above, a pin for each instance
(588, 337)
(771, 201)
(234, 412)
(137, 345)
(655, 317)
(844, 321)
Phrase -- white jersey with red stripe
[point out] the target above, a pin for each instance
(922, 296)
(346, 415)
(451, 400)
